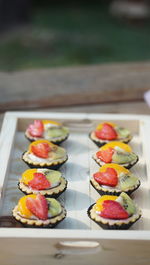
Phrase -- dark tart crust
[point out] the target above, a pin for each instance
(113, 224)
(100, 142)
(106, 191)
(49, 223)
(127, 165)
(58, 141)
(53, 192)
(50, 165)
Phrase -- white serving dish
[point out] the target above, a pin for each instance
(77, 240)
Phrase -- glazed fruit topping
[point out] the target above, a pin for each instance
(106, 133)
(105, 155)
(39, 182)
(38, 206)
(36, 129)
(41, 150)
(108, 178)
(113, 210)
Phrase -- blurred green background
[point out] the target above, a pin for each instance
(67, 35)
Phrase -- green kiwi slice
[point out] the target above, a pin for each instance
(123, 132)
(54, 207)
(127, 181)
(127, 203)
(53, 176)
(54, 132)
(123, 158)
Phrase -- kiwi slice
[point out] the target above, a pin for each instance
(54, 207)
(54, 132)
(53, 176)
(127, 181)
(123, 133)
(59, 153)
(123, 158)
(127, 203)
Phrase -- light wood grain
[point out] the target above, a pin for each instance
(74, 86)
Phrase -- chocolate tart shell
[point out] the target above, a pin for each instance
(128, 166)
(52, 165)
(100, 143)
(49, 223)
(51, 193)
(119, 225)
(115, 192)
(54, 141)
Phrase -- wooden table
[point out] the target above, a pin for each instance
(108, 88)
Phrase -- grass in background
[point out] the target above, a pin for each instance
(73, 36)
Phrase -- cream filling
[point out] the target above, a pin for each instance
(35, 158)
(95, 215)
(33, 217)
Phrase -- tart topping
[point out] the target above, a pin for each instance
(116, 152)
(38, 206)
(105, 155)
(41, 149)
(106, 133)
(113, 207)
(36, 129)
(115, 175)
(108, 178)
(39, 182)
(113, 210)
(41, 178)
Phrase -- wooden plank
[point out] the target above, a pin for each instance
(74, 86)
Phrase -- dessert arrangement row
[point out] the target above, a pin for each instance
(42, 183)
(114, 182)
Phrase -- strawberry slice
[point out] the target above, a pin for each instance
(105, 155)
(39, 182)
(106, 133)
(36, 129)
(113, 210)
(38, 206)
(108, 178)
(41, 150)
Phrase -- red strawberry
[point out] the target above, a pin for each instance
(106, 133)
(113, 210)
(38, 206)
(36, 129)
(41, 150)
(105, 155)
(39, 182)
(108, 178)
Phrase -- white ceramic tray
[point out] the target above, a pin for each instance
(77, 237)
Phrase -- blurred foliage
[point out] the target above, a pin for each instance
(73, 35)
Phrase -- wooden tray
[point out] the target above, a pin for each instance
(77, 238)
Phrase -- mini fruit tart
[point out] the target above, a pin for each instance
(116, 152)
(114, 212)
(107, 132)
(47, 182)
(37, 211)
(112, 179)
(44, 154)
(52, 131)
